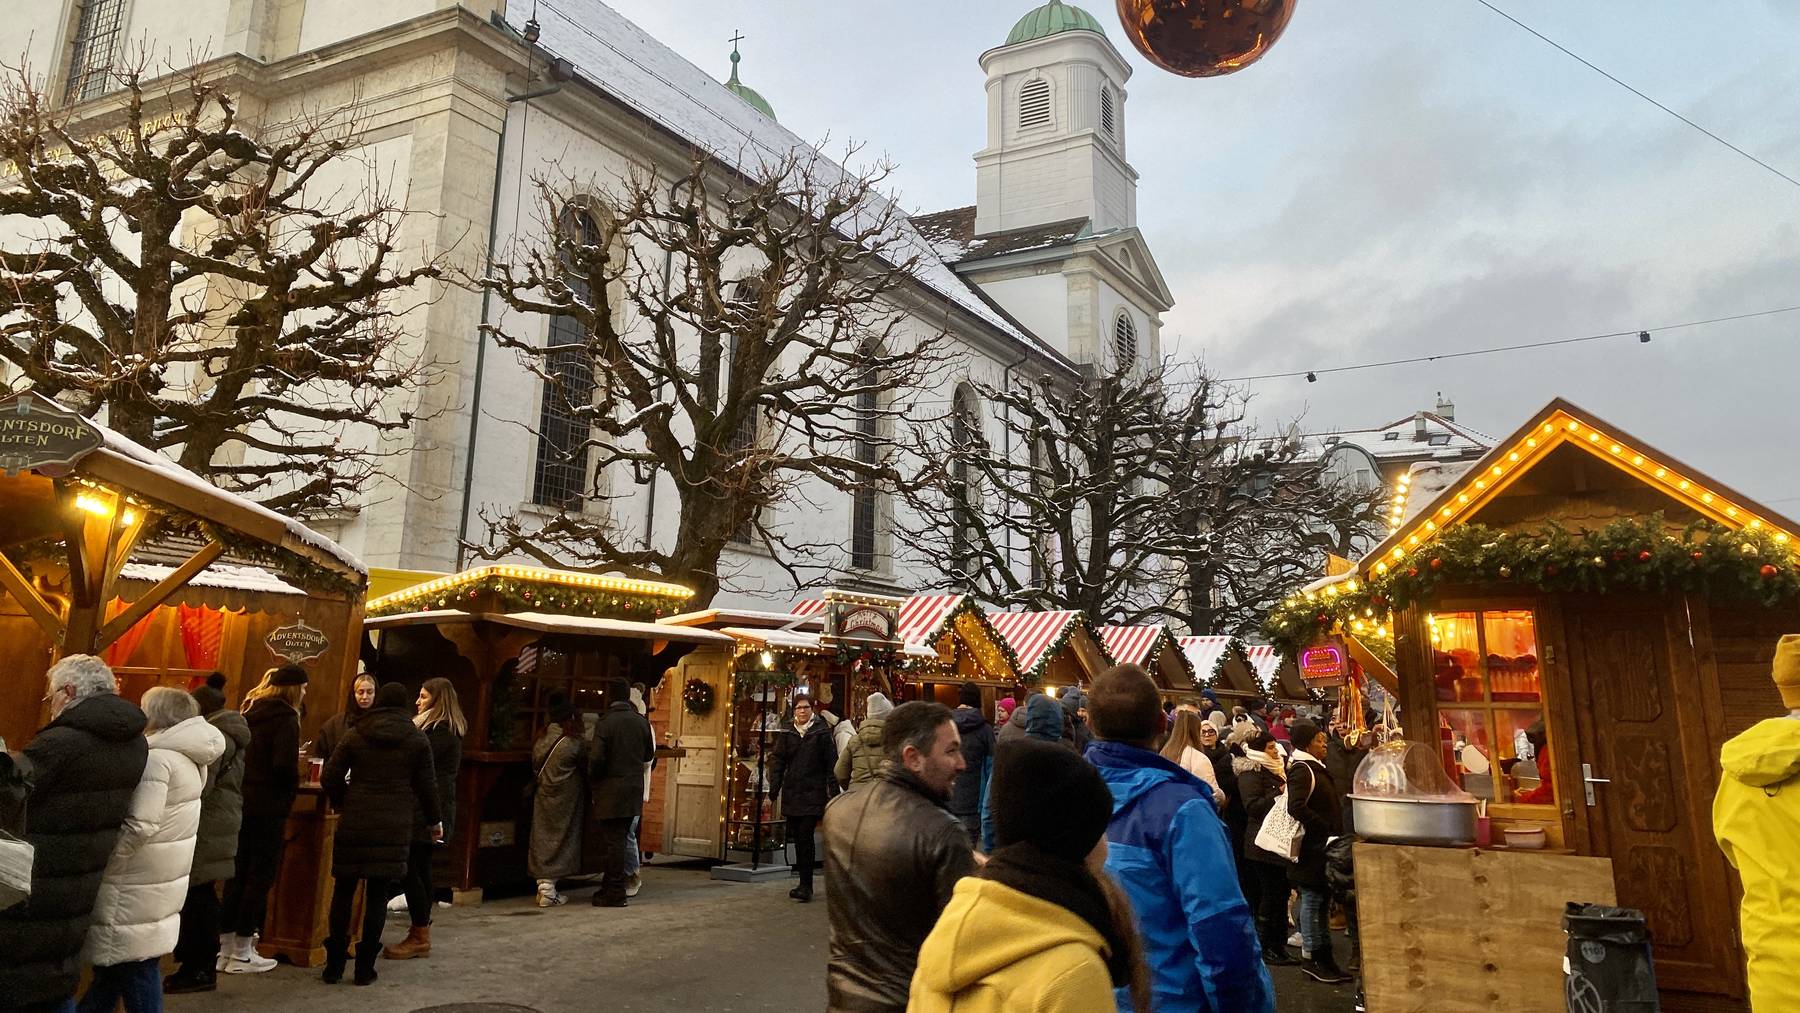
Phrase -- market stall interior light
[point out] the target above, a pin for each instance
(563, 578)
(93, 505)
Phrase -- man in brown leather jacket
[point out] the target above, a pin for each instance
(893, 854)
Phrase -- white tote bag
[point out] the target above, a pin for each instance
(1281, 832)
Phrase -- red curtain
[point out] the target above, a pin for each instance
(119, 653)
(201, 629)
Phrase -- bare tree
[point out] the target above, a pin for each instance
(738, 337)
(171, 269)
(1070, 493)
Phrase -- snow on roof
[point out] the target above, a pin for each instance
(623, 60)
(168, 469)
(1399, 439)
(952, 234)
(223, 575)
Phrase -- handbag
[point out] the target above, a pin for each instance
(531, 787)
(15, 865)
(1281, 833)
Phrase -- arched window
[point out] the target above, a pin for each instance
(865, 498)
(965, 437)
(1125, 341)
(1034, 104)
(1108, 115)
(561, 474)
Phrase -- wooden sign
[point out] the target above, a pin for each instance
(36, 433)
(298, 642)
(1323, 665)
(859, 622)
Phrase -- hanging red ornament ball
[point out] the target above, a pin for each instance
(1204, 38)
(1645, 556)
(1769, 571)
(1437, 564)
(1697, 555)
(1322, 618)
(1412, 571)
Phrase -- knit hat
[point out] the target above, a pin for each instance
(1046, 795)
(1074, 700)
(1004, 707)
(210, 695)
(879, 706)
(1787, 670)
(1217, 720)
(288, 675)
(391, 694)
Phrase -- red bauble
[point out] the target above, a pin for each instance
(1645, 556)
(1412, 571)
(1204, 38)
(1322, 618)
(1437, 564)
(1697, 555)
(1769, 571)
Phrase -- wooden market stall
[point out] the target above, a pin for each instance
(1220, 664)
(1276, 673)
(1052, 648)
(1157, 650)
(1579, 623)
(965, 649)
(509, 638)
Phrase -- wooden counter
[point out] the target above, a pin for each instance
(1466, 930)
(298, 905)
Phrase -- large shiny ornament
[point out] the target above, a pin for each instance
(1204, 38)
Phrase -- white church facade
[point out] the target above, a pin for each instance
(1045, 273)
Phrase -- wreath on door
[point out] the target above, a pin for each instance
(697, 697)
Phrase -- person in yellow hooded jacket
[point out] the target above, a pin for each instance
(1756, 817)
(1041, 928)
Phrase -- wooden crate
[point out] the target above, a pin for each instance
(1448, 930)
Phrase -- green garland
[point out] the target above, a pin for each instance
(1634, 554)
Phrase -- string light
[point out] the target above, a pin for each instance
(565, 578)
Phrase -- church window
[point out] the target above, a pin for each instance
(1108, 118)
(99, 30)
(743, 441)
(865, 499)
(965, 430)
(1034, 104)
(1125, 341)
(560, 476)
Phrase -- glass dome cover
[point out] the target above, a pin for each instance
(1399, 769)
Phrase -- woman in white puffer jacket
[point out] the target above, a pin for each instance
(137, 915)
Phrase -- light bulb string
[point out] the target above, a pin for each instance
(1640, 334)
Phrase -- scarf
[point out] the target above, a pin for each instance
(1267, 762)
(1032, 871)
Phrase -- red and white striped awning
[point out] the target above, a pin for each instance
(1130, 645)
(923, 617)
(808, 607)
(1030, 634)
(1205, 653)
(1265, 661)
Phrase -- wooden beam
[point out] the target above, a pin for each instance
(158, 595)
(28, 598)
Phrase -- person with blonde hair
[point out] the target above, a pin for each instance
(271, 782)
(137, 913)
(440, 717)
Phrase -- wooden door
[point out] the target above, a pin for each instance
(1645, 732)
(695, 806)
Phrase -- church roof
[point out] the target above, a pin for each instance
(1053, 18)
(615, 56)
(952, 235)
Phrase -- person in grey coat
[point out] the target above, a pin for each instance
(215, 848)
(559, 803)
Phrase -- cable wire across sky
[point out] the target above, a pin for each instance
(1642, 334)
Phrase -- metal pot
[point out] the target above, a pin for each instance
(1413, 821)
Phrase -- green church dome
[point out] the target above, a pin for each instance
(744, 91)
(1053, 18)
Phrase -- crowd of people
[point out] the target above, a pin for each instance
(159, 828)
(1091, 851)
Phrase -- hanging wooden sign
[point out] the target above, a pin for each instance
(37, 433)
(297, 642)
(859, 621)
(1323, 665)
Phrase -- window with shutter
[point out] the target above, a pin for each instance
(1125, 341)
(865, 499)
(1107, 118)
(1034, 104)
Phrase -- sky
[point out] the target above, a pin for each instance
(1400, 178)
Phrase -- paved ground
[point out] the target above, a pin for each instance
(686, 943)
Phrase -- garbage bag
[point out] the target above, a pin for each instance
(1608, 963)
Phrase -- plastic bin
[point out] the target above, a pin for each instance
(1608, 967)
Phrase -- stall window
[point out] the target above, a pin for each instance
(1489, 683)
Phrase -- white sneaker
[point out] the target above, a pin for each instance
(551, 900)
(1295, 940)
(633, 885)
(245, 959)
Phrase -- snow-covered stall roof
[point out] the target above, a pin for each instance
(616, 56)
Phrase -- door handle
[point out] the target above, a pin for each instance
(1588, 780)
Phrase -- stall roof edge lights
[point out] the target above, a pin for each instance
(567, 578)
(1558, 424)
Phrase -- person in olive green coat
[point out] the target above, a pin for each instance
(858, 761)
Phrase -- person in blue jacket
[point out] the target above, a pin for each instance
(1167, 848)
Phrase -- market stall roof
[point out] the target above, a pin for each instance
(1219, 662)
(1560, 425)
(547, 623)
(717, 618)
(1041, 639)
(754, 638)
(930, 619)
(1154, 648)
(1279, 676)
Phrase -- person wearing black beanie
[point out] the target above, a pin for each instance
(1042, 926)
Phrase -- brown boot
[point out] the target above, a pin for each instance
(416, 944)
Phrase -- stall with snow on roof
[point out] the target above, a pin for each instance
(1053, 649)
(1155, 649)
(1220, 664)
(1579, 622)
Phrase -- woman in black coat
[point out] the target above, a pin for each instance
(1260, 784)
(1314, 800)
(803, 779)
(440, 717)
(379, 779)
(271, 782)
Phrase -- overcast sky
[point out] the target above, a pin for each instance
(1401, 178)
